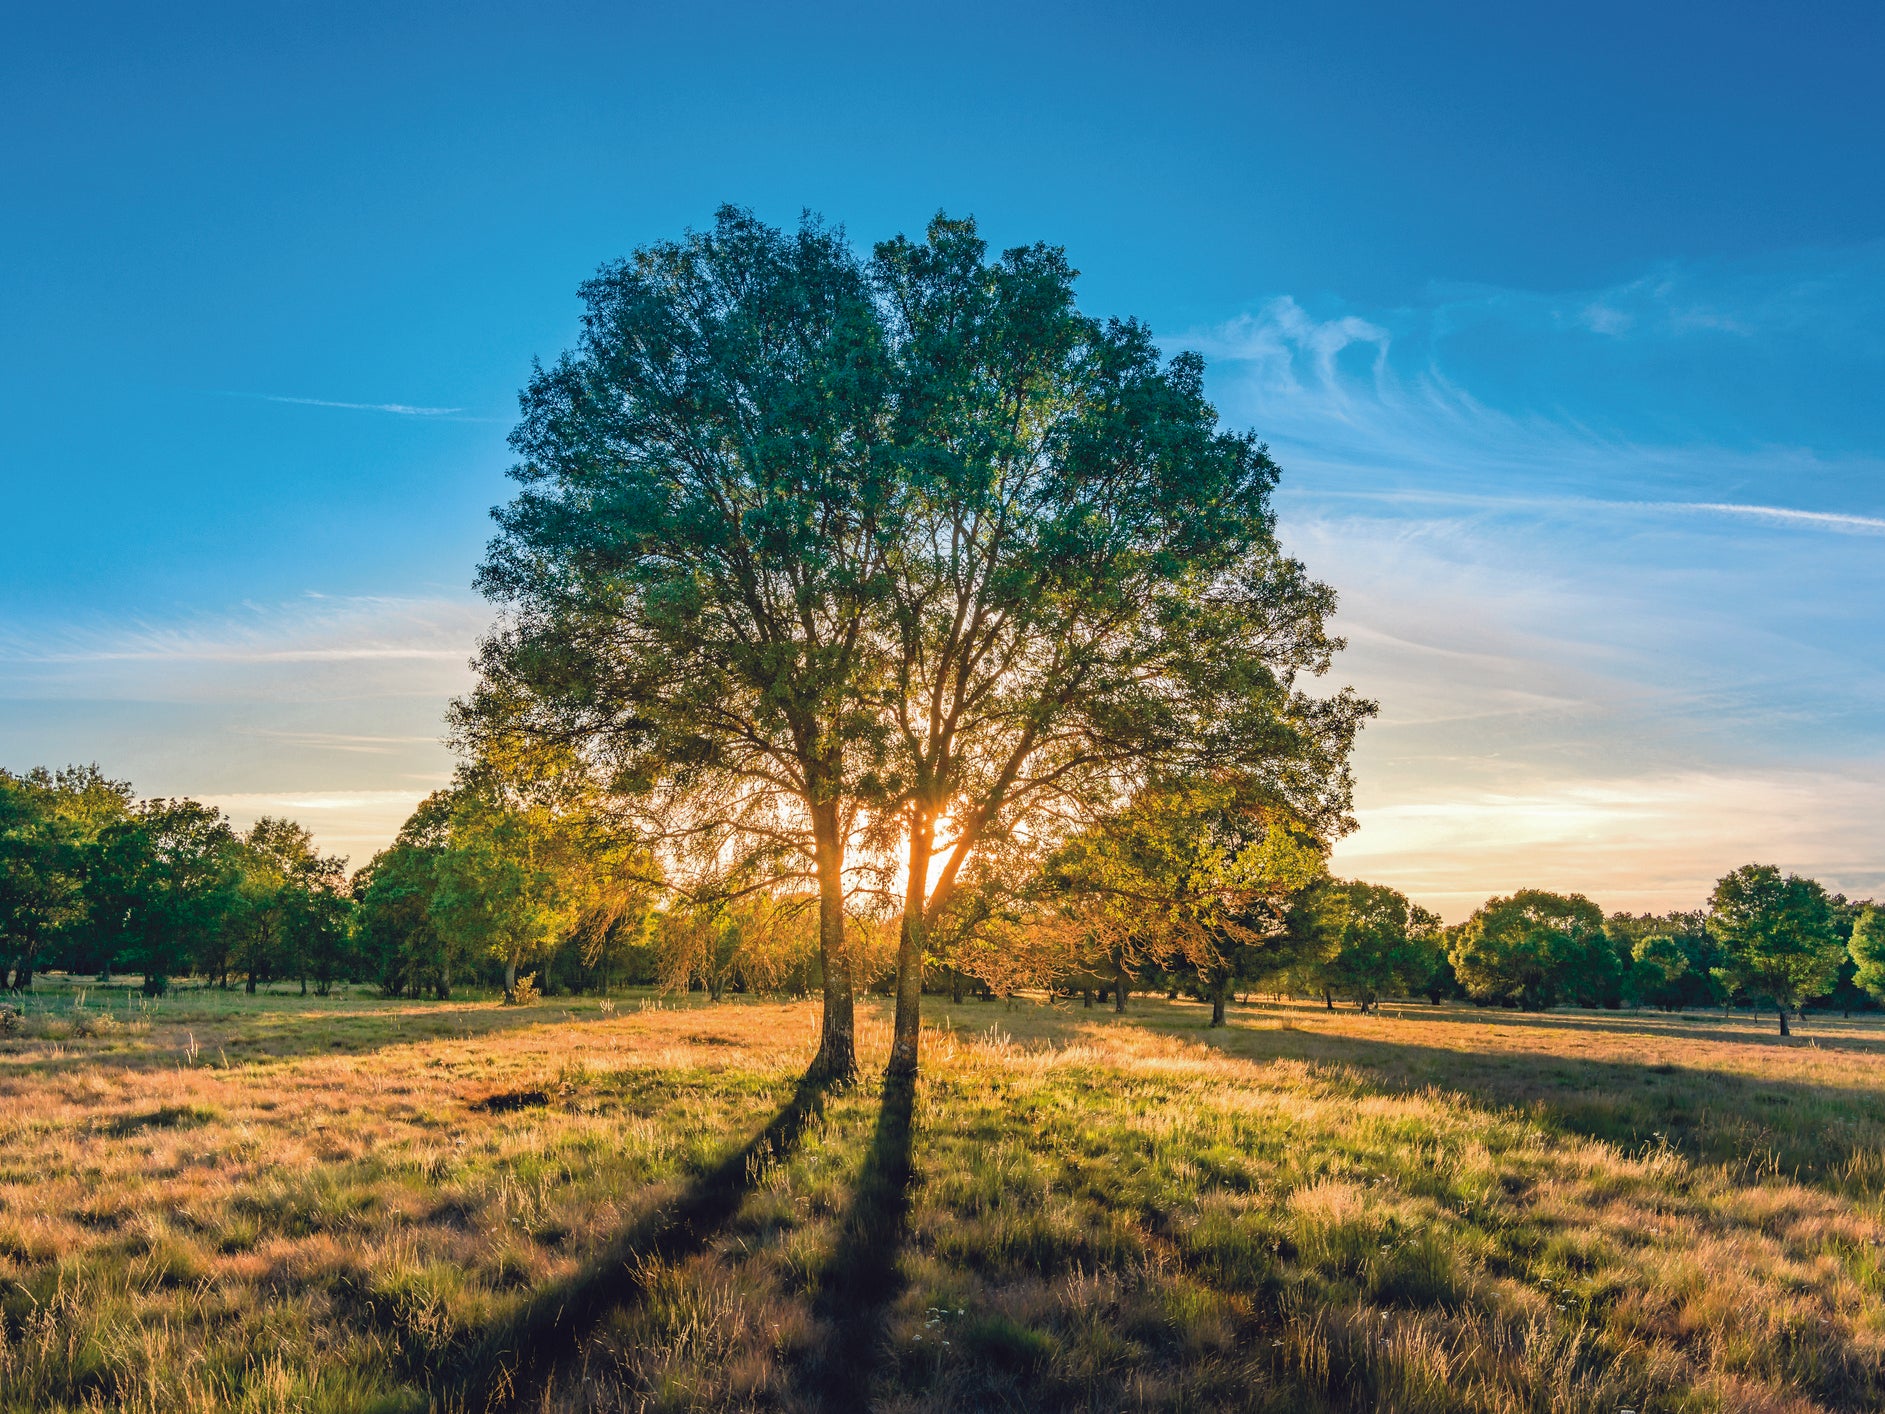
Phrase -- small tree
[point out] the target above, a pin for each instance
(504, 885)
(1778, 934)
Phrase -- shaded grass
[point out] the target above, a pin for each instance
(1443, 1210)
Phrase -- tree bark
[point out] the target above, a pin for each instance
(1220, 989)
(1086, 998)
(510, 980)
(836, 1061)
(910, 940)
(1782, 1009)
(1119, 984)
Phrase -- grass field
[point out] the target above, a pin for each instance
(345, 1203)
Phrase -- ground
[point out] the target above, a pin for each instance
(276, 1203)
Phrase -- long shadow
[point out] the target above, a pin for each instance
(1743, 1028)
(861, 1278)
(514, 1361)
(1809, 1130)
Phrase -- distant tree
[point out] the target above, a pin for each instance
(1088, 592)
(1196, 875)
(1678, 971)
(397, 941)
(689, 573)
(1778, 935)
(165, 881)
(1868, 950)
(1377, 942)
(504, 883)
(1533, 949)
(50, 824)
(753, 941)
(288, 911)
(1658, 968)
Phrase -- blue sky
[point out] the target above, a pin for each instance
(1566, 329)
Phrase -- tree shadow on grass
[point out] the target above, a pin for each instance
(861, 1279)
(1744, 1027)
(522, 1355)
(1809, 1131)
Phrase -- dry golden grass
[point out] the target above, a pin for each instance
(279, 1203)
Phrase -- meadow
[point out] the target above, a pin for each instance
(220, 1202)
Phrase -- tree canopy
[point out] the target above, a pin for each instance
(859, 569)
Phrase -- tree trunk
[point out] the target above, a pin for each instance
(1328, 999)
(836, 1061)
(510, 980)
(955, 987)
(249, 986)
(1782, 1009)
(1119, 984)
(1086, 998)
(1220, 989)
(910, 939)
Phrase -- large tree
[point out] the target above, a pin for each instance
(1088, 591)
(690, 572)
(850, 573)
(1778, 934)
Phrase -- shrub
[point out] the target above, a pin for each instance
(524, 993)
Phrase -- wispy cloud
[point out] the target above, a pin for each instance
(399, 409)
(327, 710)
(1617, 649)
(376, 644)
(1782, 515)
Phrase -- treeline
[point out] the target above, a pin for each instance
(544, 888)
(1763, 938)
(94, 880)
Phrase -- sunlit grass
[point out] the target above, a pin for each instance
(277, 1203)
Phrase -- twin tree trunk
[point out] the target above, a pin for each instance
(836, 1061)
(910, 940)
